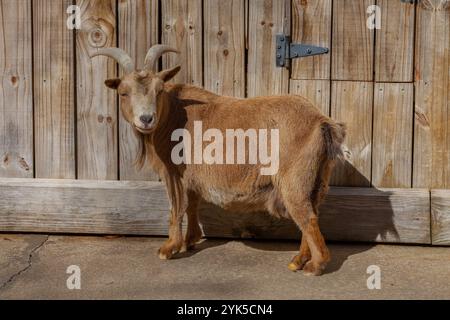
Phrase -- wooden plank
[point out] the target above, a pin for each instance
(353, 42)
(266, 19)
(395, 42)
(16, 104)
(440, 217)
(224, 47)
(96, 105)
(76, 206)
(138, 31)
(54, 79)
(141, 208)
(351, 102)
(182, 29)
(311, 24)
(378, 215)
(432, 106)
(317, 91)
(348, 214)
(393, 135)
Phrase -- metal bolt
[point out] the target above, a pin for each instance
(282, 39)
(309, 51)
(278, 56)
(279, 47)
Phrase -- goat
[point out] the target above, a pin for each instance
(309, 145)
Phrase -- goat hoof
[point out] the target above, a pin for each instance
(298, 262)
(164, 255)
(312, 270)
(191, 241)
(293, 266)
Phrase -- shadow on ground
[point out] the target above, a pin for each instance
(338, 255)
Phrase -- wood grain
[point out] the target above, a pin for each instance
(432, 106)
(54, 79)
(141, 208)
(378, 215)
(96, 104)
(440, 217)
(317, 91)
(75, 206)
(395, 42)
(16, 101)
(353, 42)
(224, 47)
(348, 214)
(311, 24)
(393, 135)
(138, 30)
(351, 103)
(182, 29)
(266, 19)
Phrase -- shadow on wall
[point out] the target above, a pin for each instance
(348, 214)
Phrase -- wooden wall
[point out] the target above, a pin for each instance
(391, 86)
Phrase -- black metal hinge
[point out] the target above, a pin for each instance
(285, 50)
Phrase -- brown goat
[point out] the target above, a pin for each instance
(309, 144)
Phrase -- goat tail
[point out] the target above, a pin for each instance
(334, 136)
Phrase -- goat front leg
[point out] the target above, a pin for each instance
(194, 232)
(178, 198)
(175, 242)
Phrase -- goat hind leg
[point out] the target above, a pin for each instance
(320, 255)
(304, 255)
(306, 218)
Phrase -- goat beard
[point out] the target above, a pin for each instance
(143, 144)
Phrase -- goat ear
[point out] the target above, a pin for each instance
(112, 83)
(168, 74)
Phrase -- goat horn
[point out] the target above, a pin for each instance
(154, 53)
(119, 55)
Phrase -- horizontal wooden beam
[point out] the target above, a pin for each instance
(440, 215)
(348, 214)
(140, 208)
(81, 206)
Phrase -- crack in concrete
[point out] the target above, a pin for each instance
(29, 264)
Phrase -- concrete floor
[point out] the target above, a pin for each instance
(34, 267)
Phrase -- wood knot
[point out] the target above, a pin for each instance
(5, 161)
(100, 118)
(14, 81)
(422, 119)
(24, 164)
(225, 52)
(220, 33)
(97, 38)
(109, 119)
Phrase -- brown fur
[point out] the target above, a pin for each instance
(310, 143)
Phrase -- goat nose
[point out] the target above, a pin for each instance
(146, 119)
